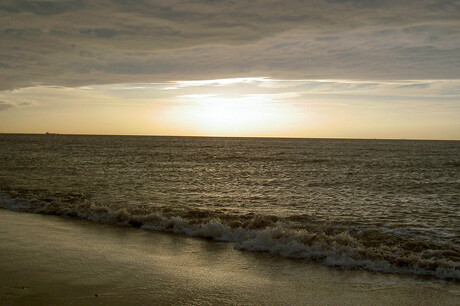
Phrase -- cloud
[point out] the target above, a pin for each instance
(100, 32)
(5, 106)
(219, 82)
(199, 96)
(86, 42)
(422, 85)
(41, 7)
(25, 103)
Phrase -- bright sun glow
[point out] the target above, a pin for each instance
(212, 114)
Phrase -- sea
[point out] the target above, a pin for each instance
(389, 206)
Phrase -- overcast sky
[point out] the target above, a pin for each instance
(322, 53)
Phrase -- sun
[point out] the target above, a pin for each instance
(229, 116)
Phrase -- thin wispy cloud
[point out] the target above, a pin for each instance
(217, 82)
(5, 105)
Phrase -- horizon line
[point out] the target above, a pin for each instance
(214, 136)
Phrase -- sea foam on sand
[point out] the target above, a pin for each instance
(52, 260)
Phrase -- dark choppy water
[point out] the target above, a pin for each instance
(381, 205)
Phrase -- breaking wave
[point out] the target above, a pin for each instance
(301, 237)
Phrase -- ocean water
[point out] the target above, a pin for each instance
(379, 205)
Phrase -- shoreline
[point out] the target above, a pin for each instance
(51, 260)
(335, 251)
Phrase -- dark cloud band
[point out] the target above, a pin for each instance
(84, 42)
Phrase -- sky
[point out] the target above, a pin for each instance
(271, 68)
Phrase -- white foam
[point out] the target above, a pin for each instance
(339, 250)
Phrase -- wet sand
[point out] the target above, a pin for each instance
(56, 260)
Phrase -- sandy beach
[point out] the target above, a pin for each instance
(55, 260)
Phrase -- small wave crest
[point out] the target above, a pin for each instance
(295, 237)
